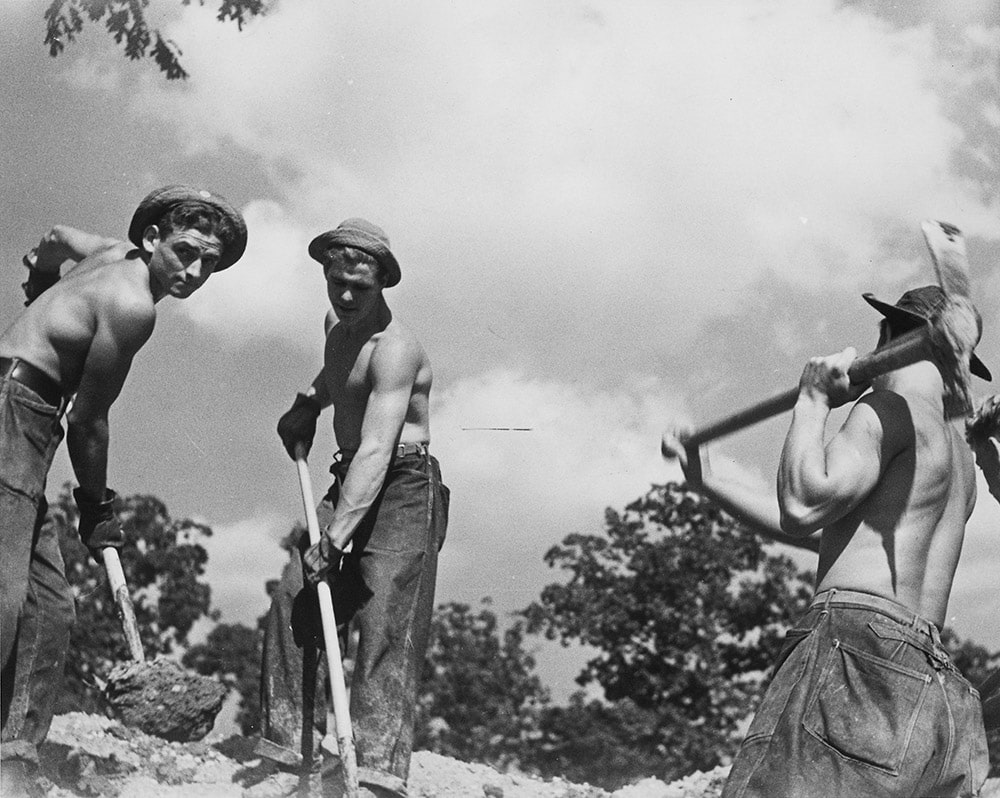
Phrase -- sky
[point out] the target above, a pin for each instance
(609, 217)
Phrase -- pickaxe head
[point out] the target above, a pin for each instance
(955, 327)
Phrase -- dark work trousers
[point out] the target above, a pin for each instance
(386, 585)
(866, 703)
(37, 604)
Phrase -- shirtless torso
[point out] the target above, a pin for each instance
(892, 490)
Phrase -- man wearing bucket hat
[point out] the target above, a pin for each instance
(77, 338)
(387, 500)
(864, 699)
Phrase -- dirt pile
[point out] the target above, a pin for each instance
(88, 755)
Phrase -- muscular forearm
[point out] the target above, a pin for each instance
(754, 508)
(802, 472)
(358, 493)
(87, 443)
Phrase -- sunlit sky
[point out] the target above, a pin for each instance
(608, 216)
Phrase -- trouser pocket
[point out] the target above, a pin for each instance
(865, 707)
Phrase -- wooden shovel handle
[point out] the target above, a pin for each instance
(902, 351)
(123, 601)
(338, 686)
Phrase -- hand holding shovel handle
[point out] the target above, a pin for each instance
(338, 689)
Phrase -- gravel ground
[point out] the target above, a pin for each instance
(88, 755)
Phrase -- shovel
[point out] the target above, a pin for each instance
(338, 689)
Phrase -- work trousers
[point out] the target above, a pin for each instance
(865, 702)
(386, 586)
(35, 598)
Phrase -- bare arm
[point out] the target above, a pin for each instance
(123, 326)
(61, 245)
(64, 244)
(754, 508)
(983, 434)
(818, 482)
(392, 371)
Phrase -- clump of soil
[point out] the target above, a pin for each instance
(162, 699)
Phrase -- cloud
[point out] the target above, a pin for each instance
(517, 493)
(637, 161)
(242, 556)
(275, 290)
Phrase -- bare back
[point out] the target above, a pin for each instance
(390, 361)
(903, 540)
(99, 313)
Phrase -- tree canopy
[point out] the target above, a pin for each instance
(125, 21)
(687, 611)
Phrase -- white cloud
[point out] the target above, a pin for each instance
(648, 158)
(242, 557)
(517, 493)
(275, 290)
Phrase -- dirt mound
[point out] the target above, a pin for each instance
(88, 755)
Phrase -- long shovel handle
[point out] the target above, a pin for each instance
(903, 351)
(123, 601)
(338, 689)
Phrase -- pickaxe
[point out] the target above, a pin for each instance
(948, 341)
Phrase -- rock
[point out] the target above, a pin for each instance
(161, 698)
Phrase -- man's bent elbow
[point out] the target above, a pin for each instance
(798, 519)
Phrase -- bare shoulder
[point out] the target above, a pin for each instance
(119, 291)
(396, 349)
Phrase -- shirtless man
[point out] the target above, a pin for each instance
(77, 338)
(387, 501)
(864, 700)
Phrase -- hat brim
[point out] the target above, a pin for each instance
(158, 202)
(902, 317)
(321, 243)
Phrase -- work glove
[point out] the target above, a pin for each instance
(99, 526)
(39, 280)
(298, 425)
(320, 560)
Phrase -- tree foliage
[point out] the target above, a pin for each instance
(232, 653)
(479, 699)
(163, 563)
(975, 663)
(687, 611)
(125, 21)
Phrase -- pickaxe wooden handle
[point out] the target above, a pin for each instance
(903, 351)
(338, 687)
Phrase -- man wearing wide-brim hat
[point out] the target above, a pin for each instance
(77, 338)
(387, 502)
(865, 698)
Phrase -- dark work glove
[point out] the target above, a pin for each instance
(99, 526)
(38, 281)
(298, 425)
(319, 560)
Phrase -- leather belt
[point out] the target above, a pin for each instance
(400, 450)
(34, 378)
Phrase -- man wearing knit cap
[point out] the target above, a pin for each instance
(387, 502)
(77, 338)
